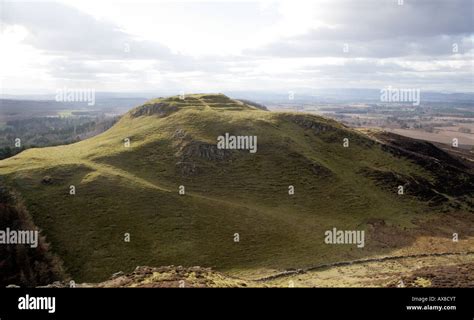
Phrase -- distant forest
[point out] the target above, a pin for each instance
(48, 131)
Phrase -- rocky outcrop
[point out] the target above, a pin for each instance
(191, 152)
(159, 109)
(452, 175)
(413, 186)
(166, 277)
(309, 123)
(254, 104)
(205, 151)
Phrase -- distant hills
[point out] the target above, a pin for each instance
(300, 94)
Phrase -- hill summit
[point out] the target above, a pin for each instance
(166, 106)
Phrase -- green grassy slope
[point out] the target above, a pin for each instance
(173, 142)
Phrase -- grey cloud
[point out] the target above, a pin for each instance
(60, 29)
(86, 69)
(383, 29)
(379, 19)
(89, 49)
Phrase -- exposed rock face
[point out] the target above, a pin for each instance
(204, 151)
(174, 277)
(160, 109)
(186, 168)
(413, 186)
(254, 104)
(321, 171)
(190, 152)
(451, 176)
(309, 123)
(416, 148)
(166, 277)
(47, 180)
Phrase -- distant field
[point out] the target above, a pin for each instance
(431, 122)
(445, 135)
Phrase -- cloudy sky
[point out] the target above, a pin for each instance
(216, 46)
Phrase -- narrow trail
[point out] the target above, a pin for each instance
(291, 272)
(114, 171)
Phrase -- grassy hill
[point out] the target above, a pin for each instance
(134, 189)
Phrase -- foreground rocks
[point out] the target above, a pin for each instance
(165, 277)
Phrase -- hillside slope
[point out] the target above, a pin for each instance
(21, 264)
(121, 189)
